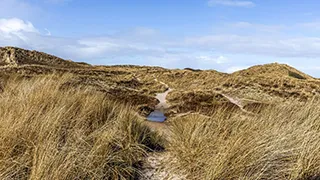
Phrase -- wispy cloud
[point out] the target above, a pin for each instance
(146, 46)
(208, 59)
(233, 69)
(310, 25)
(257, 27)
(302, 47)
(117, 48)
(236, 3)
(15, 28)
(15, 25)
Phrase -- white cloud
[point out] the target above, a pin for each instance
(16, 25)
(236, 3)
(142, 31)
(310, 25)
(308, 67)
(144, 41)
(144, 46)
(257, 27)
(207, 59)
(16, 32)
(262, 45)
(48, 33)
(16, 29)
(235, 68)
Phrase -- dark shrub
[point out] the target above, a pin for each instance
(296, 75)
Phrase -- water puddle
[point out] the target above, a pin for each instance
(158, 114)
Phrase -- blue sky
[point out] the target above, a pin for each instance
(226, 35)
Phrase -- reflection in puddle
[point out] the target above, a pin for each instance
(157, 116)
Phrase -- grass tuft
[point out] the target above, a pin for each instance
(281, 142)
(49, 132)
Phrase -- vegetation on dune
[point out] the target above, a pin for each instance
(205, 102)
(66, 120)
(264, 84)
(17, 56)
(282, 142)
(50, 132)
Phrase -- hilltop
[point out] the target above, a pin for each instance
(194, 90)
(273, 70)
(14, 56)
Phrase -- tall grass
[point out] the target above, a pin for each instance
(282, 142)
(52, 131)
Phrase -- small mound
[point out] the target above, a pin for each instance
(273, 70)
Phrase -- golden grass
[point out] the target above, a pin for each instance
(50, 132)
(204, 102)
(280, 143)
(61, 127)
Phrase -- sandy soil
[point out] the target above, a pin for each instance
(154, 168)
(163, 102)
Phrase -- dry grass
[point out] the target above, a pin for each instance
(17, 56)
(281, 143)
(61, 127)
(264, 83)
(49, 132)
(204, 102)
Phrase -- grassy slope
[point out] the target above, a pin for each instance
(282, 142)
(257, 86)
(51, 132)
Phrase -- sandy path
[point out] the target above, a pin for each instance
(237, 102)
(161, 127)
(154, 167)
(234, 101)
(162, 100)
(162, 97)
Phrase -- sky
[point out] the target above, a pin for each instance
(225, 35)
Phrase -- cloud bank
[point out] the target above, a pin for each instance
(145, 46)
